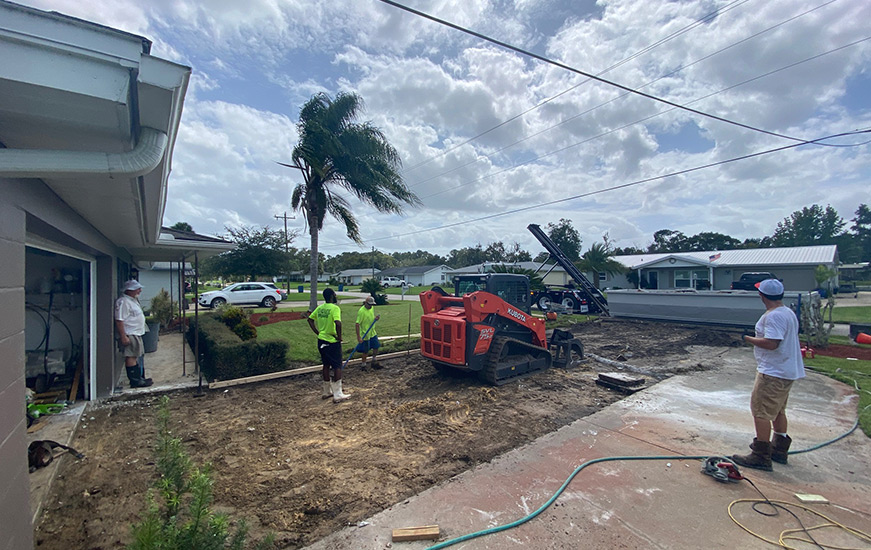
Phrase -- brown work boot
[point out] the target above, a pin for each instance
(779, 447)
(759, 459)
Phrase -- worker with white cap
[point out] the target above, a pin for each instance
(130, 324)
(779, 364)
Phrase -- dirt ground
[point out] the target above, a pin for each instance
(301, 467)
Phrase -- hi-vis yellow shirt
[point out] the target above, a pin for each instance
(325, 317)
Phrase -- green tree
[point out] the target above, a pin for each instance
(862, 230)
(259, 252)
(418, 257)
(336, 153)
(809, 226)
(467, 256)
(182, 226)
(668, 240)
(566, 238)
(708, 240)
(598, 260)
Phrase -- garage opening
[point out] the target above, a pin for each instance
(57, 325)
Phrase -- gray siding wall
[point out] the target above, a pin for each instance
(14, 478)
(29, 207)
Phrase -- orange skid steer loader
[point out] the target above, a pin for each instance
(486, 327)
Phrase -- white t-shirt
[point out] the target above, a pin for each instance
(127, 309)
(785, 360)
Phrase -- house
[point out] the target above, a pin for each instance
(717, 269)
(420, 275)
(356, 276)
(552, 274)
(88, 121)
(157, 276)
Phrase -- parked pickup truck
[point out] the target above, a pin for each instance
(748, 280)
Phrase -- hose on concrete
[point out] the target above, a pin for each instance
(577, 470)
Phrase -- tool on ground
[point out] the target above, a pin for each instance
(722, 469)
(353, 351)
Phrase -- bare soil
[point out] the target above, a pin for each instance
(301, 467)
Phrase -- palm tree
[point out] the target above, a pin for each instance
(335, 152)
(598, 260)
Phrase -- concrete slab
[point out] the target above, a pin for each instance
(658, 503)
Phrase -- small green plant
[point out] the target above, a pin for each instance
(163, 308)
(245, 330)
(182, 519)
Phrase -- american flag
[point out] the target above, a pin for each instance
(713, 257)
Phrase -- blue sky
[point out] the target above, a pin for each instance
(798, 68)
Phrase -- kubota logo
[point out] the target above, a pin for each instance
(517, 315)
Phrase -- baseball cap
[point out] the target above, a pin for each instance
(770, 288)
(370, 300)
(132, 284)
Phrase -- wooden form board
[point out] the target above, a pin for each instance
(426, 532)
(292, 372)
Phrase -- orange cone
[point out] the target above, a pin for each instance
(863, 338)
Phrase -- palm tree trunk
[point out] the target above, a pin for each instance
(313, 266)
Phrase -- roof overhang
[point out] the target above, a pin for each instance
(76, 93)
(177, 247)
(672, 261)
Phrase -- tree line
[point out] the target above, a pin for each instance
(261, 251)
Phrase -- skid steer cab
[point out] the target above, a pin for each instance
(486, 327)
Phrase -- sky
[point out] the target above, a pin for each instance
(492, 139)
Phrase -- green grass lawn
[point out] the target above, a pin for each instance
(857, 314)
(855, 373)
(394, 322)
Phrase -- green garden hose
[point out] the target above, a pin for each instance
(577, 470)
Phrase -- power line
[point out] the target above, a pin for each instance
(634, 183)
(649, 117)
(623, 61)
(624, 94)
(590, 75)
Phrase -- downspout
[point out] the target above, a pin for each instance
(46, 163)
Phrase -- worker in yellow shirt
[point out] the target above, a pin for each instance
(366, 321)
(326, 322)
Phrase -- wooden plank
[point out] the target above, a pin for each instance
(388, 338)
(74, 389)
(293, 372)
(621, 378)
(262, 377)
(425, 532)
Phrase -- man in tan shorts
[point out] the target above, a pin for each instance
(779, 364)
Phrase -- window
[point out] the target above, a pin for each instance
(682, 278)
(691, 278)
(603, 277)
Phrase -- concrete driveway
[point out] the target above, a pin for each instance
(658, 503)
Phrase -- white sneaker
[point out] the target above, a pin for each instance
(338, 394)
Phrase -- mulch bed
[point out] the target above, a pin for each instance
(844, 351)
(257, 318)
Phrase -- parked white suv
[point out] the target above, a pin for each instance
(242, 293)
(387, 282)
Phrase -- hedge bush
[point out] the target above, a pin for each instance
(224, 356)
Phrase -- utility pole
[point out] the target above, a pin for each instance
(286, 253)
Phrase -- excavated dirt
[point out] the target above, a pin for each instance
(301, 467)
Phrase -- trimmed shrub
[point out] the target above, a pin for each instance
(239, 323)
(163, 308)
(224, 356)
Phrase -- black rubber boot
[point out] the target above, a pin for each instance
(135, 380)
(779, 448)
(759, 459)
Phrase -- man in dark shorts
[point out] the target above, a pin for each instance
(779, 364)
(326, 322)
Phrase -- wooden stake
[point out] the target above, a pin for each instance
(291, 372)
(74, 389)
(426, 532)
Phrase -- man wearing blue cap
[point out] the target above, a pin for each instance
(779, 364)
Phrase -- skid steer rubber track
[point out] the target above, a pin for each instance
(510, 359)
